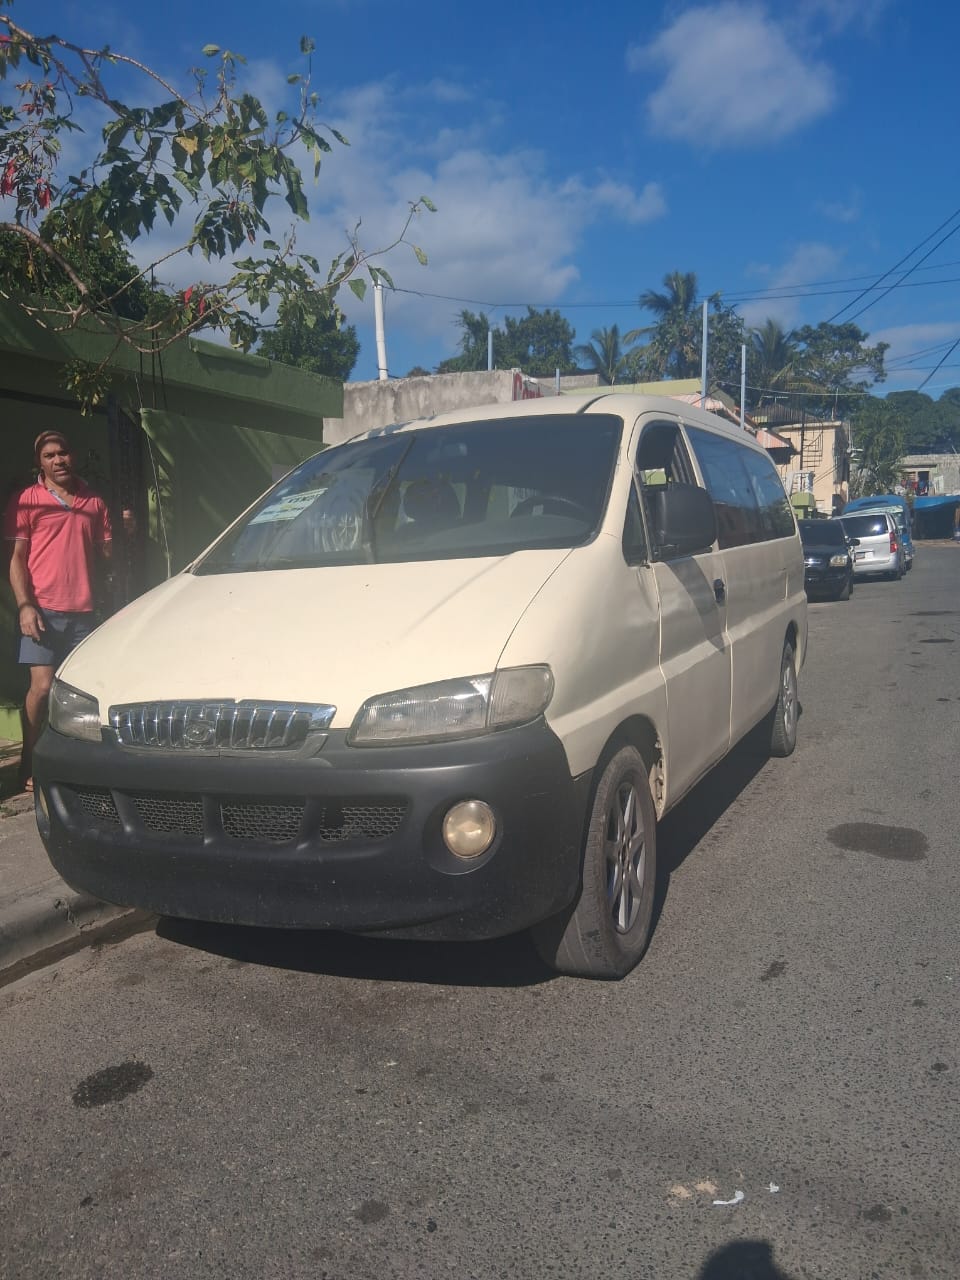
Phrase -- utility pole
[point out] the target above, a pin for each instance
(381, 340)
(703, 360)
(743, 386)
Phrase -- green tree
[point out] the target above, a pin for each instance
(116, 283)
(674, 342)
(930, 425)
(604, 354)
(539, 343)
(879, 433)
(834, 361)
(771, 355)
(311, 339)
(673, 346)
(472, 343)
(211, 152)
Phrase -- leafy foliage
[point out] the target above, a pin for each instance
(604, 355)
(539, 343)
(879, 434)
(311, 339)
(211, 158)
(674, 343)
(929, 425)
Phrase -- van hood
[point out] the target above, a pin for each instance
(335, 635)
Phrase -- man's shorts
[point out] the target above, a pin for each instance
(64, 631)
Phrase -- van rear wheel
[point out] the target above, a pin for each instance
(607, 930)
(784, 717)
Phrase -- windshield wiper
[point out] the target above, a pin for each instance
(387, 485)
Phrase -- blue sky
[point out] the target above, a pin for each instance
(787, 153)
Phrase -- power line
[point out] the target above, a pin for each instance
(632, 303)
(867, 305)
(895, 267)
(938, 366)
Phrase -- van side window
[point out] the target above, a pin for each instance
(662, 460)
(776, 514)
(634, 539)
(725, 476)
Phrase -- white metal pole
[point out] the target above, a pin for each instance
(743, 385)
(381, 340)
(703, 360)
(489, 349)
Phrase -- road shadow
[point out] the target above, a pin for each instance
(742, 1260)
(502, 962)
(679, 833)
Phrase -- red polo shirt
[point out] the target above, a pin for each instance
(62, 541)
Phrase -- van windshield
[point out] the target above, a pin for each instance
(473, 489)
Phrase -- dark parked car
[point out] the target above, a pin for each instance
(827, 559)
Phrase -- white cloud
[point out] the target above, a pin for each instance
(840, 14)
(839, 211)
(732, 77)
(504, 231)
(807, 264)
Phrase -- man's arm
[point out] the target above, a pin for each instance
(31, 620)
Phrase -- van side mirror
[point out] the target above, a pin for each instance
(684, 519)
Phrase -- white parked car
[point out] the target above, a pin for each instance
(440, 681)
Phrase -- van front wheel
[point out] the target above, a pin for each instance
(606, 932)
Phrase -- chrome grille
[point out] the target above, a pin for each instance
(219, 726)
(97, 803)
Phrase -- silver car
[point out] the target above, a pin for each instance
(877, 545)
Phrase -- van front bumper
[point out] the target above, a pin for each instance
(350, 839)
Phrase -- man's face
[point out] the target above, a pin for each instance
(56, 462)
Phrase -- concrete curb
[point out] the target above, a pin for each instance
(51, 921)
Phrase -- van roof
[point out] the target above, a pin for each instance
(626, 406)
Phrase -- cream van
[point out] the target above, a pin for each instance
(440, 682)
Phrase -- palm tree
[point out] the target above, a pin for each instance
(603, 354)
(773, 352)
(674, 338)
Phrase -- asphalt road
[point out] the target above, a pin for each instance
(226, 1103)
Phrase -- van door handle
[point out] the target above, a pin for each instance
(720, 590)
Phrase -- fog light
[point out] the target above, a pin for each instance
(469, 828)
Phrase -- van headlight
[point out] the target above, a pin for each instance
(837, 561)
(454, 708)
(74, 714)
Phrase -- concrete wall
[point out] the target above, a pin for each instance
(367, 405)
(944, 469)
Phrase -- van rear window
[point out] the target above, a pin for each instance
(865, 526)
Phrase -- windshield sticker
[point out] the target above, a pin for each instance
(288, 508)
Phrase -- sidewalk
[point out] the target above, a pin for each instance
(41, 918)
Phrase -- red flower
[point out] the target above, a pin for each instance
(43, 195)
(188, 294)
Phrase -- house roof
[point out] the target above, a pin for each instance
(193, 377)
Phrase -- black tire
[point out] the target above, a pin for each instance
(783, 720)
(607, 930)
(846, 590)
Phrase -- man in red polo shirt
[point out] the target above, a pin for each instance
(57, 526)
